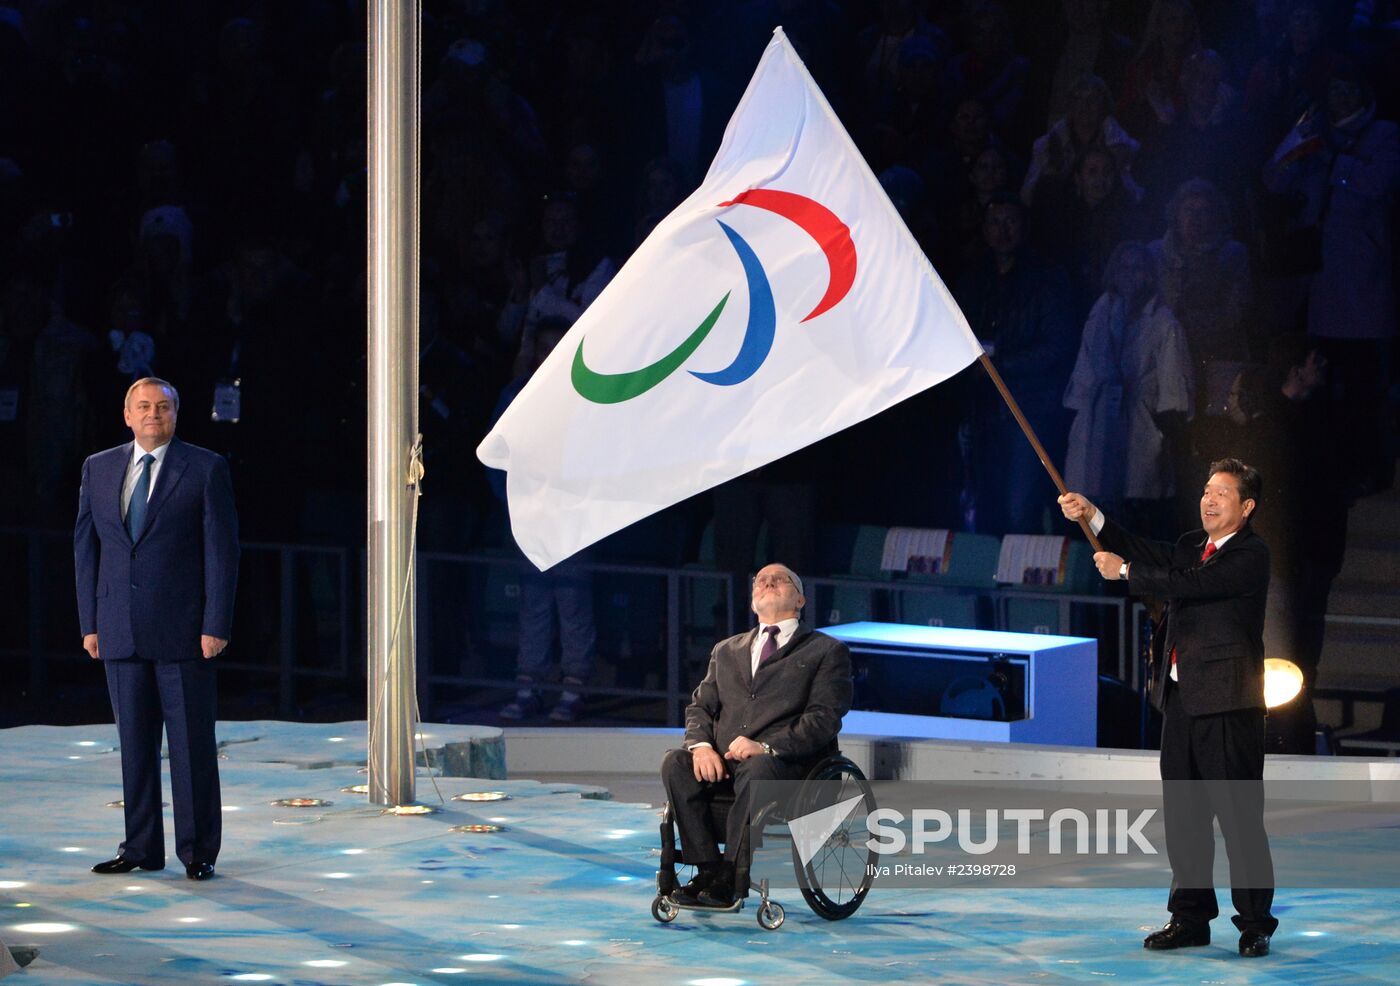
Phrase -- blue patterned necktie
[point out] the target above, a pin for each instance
(136, 509)
(770, 646)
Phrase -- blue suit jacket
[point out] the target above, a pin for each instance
(154, 598)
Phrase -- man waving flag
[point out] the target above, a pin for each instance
(782, 301)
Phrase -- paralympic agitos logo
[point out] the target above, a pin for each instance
(830, 234)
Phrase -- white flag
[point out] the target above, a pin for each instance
(781, 302)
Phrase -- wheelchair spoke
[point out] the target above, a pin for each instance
(846, 880)
(834, 852)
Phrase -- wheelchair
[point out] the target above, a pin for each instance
(834, 882)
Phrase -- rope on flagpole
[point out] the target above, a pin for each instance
(1040, 452)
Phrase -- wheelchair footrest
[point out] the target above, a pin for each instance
(738, 905)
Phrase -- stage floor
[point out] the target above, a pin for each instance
(346, 895)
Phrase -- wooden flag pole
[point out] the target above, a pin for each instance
(1035, 442)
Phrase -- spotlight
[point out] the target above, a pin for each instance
(1283, 680)
(410, 810)
(1291, 725)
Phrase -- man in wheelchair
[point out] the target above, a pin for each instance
(770, 708)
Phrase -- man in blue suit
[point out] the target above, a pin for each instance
(155, 549)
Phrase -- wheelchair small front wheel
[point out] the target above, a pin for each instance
(771, 915)
(664, 909)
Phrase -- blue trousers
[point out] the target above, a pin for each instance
(179, 699)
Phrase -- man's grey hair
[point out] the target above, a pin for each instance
(796, 579)
(153, 382)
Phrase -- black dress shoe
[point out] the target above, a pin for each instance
(1178, 934)
(688, 895)
(122, 865)
(1254, 944)
(199, 871)
(718, 896)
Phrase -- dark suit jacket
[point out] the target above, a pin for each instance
(794, 704)
(154, 598)
(1215, 615)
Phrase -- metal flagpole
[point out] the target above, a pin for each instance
(394, 82)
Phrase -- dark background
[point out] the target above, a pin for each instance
(182, 193)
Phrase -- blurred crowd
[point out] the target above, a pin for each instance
(1170, 222)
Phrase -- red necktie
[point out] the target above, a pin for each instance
(770, 646)
(1210, 550)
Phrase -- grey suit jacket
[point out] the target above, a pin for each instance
(794, 704)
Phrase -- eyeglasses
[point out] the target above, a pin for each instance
(770, 581)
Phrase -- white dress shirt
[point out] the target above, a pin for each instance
(133, 472)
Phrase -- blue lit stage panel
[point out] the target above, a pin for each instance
(987, 685)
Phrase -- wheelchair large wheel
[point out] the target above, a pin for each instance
(838, 876)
